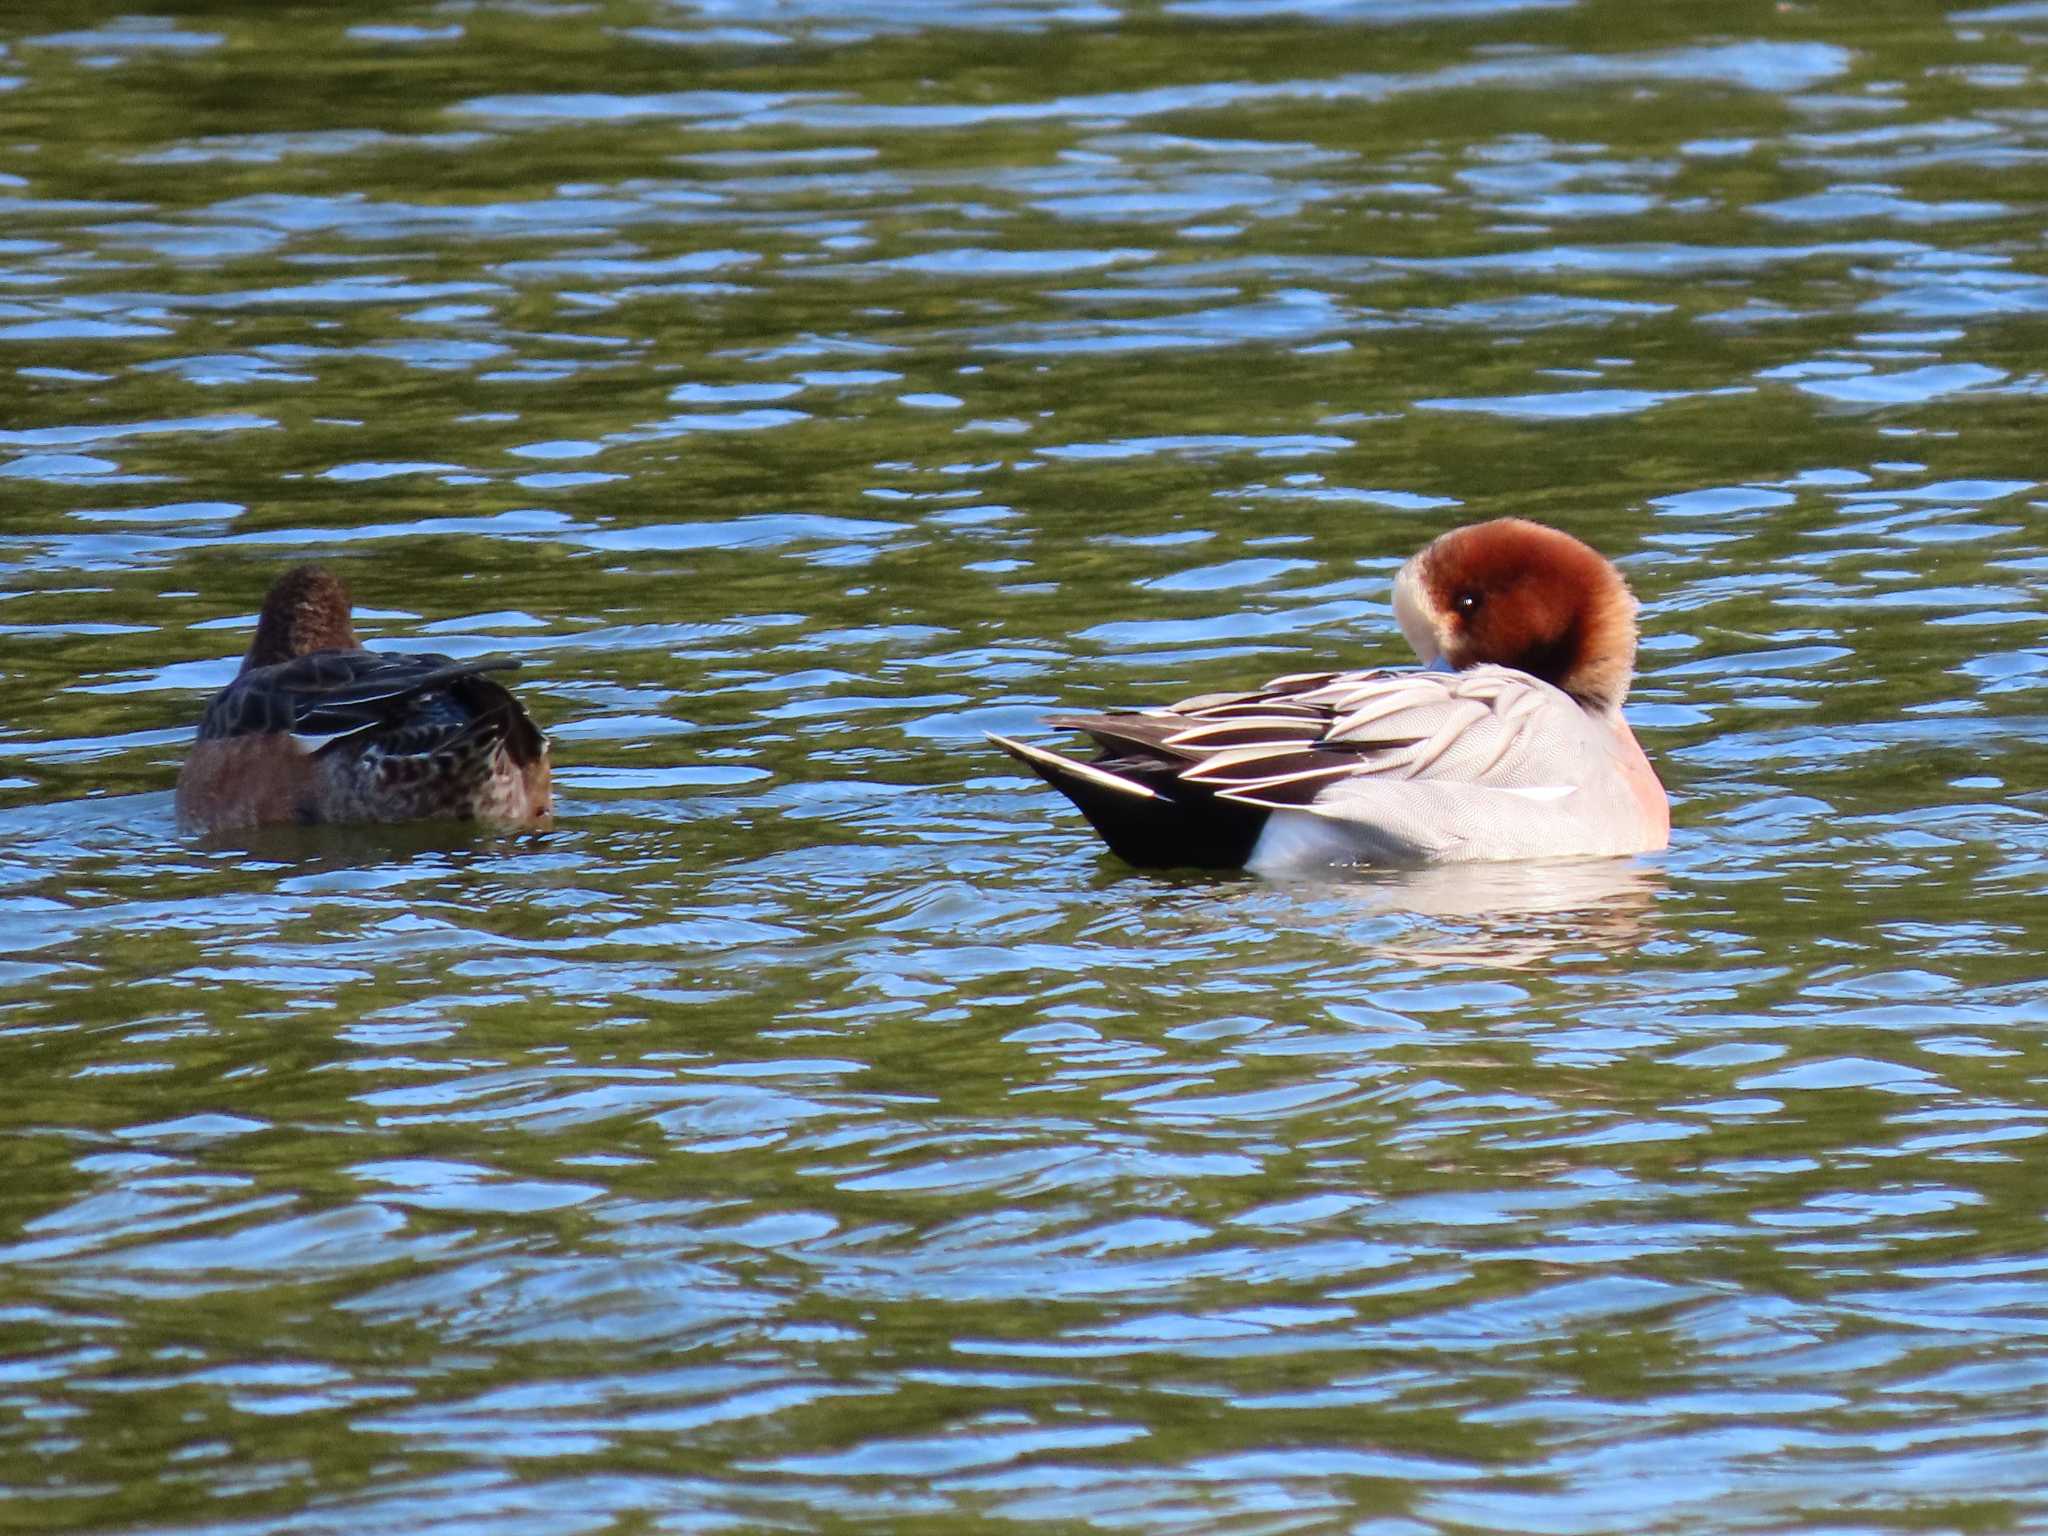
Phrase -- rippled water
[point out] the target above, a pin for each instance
(815, 1131)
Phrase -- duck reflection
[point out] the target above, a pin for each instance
(1510, 915)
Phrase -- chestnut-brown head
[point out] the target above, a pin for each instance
(1521, 595)
(307, 610)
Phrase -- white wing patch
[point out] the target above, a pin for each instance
(310, 744)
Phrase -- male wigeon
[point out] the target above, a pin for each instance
(1511, 745)
(316, 729)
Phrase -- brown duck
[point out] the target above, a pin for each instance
(316, 729)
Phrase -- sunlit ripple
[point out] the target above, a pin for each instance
(815, 1127)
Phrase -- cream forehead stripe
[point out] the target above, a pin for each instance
(1411, 612)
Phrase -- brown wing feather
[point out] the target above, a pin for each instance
(1260, 731)
(1172, 786)
(1287, 738)
(1144, 734)
(1195, 782)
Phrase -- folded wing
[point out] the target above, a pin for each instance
(1195, 782)
(411, 705)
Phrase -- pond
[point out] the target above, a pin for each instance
(816, 1129)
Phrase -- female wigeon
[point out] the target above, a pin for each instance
(315, 729)
(1511, 745)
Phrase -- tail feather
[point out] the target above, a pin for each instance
(495, 707)
(1145, 812)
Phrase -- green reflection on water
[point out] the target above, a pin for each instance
(835, 1139)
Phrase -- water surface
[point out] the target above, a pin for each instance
(815, 1130)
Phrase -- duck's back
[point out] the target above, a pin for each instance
(354, 735)
(1486, 764)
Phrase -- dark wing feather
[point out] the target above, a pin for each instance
(1258, 767)
(1144, 734)
(414, 704)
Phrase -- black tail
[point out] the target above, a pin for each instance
(1147, 814)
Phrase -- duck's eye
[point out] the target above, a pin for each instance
(1467, 603)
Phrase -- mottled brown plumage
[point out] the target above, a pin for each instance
(316, 729)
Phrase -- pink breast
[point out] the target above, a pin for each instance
(1645, 789)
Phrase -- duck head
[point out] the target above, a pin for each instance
(307, 610)
(1522, 595)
